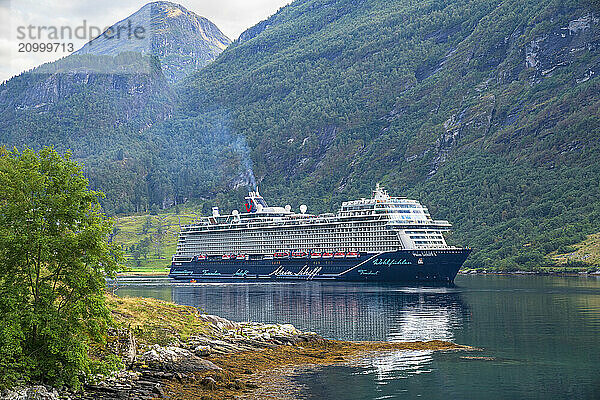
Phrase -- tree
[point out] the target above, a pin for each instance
(147, 225)
(54, 256)
(144, 247)
(115, 231)
(161, 231)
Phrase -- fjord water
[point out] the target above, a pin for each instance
(539, 337)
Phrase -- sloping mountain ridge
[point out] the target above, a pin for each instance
(181, 40)
(486, 111)
(101, 101)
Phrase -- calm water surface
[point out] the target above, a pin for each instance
(539, 336)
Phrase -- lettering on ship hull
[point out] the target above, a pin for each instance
(305, 271)
(390, 261)
(367, 272)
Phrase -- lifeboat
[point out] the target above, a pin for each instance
(299, 254)
(241, 257)
(201, 257)
(353, 254)
(228, 256)
(327, 255)
(315, 255)
(339, 254)
(282, 254)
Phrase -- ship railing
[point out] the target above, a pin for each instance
(286, 222)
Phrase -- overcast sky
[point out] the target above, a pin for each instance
(231, 16)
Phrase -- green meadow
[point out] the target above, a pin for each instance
(149, 241)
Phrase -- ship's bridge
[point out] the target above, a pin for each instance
(395, 209)
(409, 219)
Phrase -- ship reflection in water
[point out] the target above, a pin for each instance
(339, 311)
(538, 335)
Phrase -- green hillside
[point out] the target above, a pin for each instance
(485, 110)
(586, 253)
(102, 101)
(149, 241)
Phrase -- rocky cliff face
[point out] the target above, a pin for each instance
(568, 47)
(182, 40)
(138, 57)
(131, 82)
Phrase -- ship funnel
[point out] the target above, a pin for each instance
(253, 201)
(215, 212)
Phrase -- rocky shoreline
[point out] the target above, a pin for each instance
(147, 369)
(221, 360)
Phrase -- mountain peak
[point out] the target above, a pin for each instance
(182, 40)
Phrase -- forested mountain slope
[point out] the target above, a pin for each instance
(102, 101)
(485, 110)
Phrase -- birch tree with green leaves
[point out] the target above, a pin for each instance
(54, 257)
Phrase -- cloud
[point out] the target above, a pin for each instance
(231, 16)
(235, 16)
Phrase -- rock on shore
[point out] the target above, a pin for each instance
(148, 367)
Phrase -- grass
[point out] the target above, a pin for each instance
(156, 321)
(582, 255)
(149, 241)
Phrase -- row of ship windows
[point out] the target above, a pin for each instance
(288, 234)
(428, 242)
(339, 247)
(427, 237)
(299, 224)
(383, 206)
(362, 231)
(276, 242)
(303, 244)
(313, 230)
(318, 227)
(370, 238)
(307, 240)
(291, 246)
(408, 218)
(364, 250)
(268, 236)
(373, 238)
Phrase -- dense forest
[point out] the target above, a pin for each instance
(486, 111)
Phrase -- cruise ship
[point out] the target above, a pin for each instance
(382, 238)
